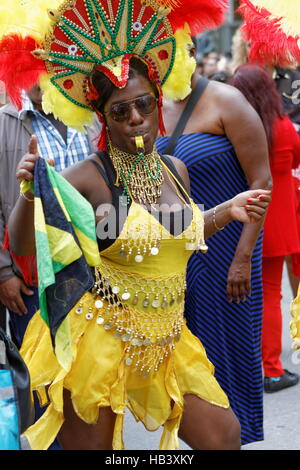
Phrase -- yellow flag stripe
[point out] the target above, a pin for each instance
(39, 218)
(62, 246)
(61, 203)
(89, 248)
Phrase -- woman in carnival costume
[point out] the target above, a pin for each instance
(110, 332)
(272, 28)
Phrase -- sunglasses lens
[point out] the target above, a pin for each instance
(146, 104)
(120, 112)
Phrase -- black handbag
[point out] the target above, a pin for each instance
(10, 359)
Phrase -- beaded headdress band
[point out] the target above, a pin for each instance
(60, 43)
(273, 29)
(89, 34)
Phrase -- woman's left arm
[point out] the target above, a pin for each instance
(248, 207)
(244, 129)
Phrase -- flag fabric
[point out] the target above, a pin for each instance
(66, 251)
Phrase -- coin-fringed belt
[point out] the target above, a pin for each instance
(149, 332)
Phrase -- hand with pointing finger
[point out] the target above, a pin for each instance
(25, 169)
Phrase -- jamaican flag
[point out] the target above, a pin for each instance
(66, 250)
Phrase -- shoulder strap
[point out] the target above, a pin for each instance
(176, 176)
(192, 101)
(108, 173)
(101, 171)
(168, 161)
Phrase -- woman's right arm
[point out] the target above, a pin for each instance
(82, 176)
(21, 221)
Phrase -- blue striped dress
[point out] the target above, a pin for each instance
(230, 332)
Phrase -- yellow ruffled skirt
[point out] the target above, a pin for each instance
(99, 378)
(295, 321)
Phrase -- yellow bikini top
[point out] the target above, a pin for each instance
(146, 246)
(141, 282)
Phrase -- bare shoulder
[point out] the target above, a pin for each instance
(181, 169)
(234, 109)
(77, 169)
(226, 94)
(179, 165)
(81, 174)
(85, 177)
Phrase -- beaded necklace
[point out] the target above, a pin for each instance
(140, 175)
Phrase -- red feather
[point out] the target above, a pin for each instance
(269, 44)
(19, 69)
(199, 14)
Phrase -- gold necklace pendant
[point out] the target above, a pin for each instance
(140, 175)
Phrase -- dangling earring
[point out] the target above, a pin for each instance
(161, 124)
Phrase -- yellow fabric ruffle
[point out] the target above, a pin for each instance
(295, 322)
(99, 378)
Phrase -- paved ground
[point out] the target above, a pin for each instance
(282, 409)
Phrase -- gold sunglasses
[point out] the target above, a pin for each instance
(121, 111)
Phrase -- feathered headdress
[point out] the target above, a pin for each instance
(273, 29)
(58, 44)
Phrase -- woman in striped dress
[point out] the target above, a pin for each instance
(225, 150)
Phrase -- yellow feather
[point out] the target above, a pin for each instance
(56, 103)
(178, 84)
(288, 10)
(27, 17)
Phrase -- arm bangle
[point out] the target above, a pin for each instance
(214, 219)
(25, 197)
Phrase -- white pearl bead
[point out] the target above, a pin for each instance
(154, 251)
(139, 258)
(98, 304)
(116, 289)
(125, 295)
